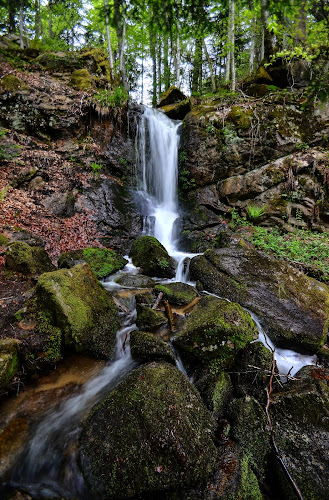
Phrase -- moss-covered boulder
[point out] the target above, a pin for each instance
(59, 61)
(151, 435)
(178, 110)
(179, 294)
(293, 308)
(28, 260)
(81, 79)
(148, 318)
(300, 417)
(146, 347)
(101, 260)
(215, 331)
(135, 281)
(9, 362)
(152, 258)
(216, 391)
(74, 302)
(11, 83)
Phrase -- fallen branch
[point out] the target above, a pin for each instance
(157, 302)
(169, 314)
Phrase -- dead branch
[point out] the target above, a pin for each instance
(157, 302)
(169, 315)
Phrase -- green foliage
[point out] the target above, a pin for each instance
(3, 131)
(112, 98)
(302, 146)
(3, 193)
(237, 220)
(53, 337)
(303, 247)
(96, 169)
(254, 212)
(186, 181)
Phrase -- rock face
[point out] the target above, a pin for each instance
(146, 347)
(76, 304)
(150, 436)
(300, 420)
(9, 362)
(215, 330)
(101, 260)
(152, 258)
(292, 307)
(26, 259)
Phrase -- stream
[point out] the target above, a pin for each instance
(47, 466)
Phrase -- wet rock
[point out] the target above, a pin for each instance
(12, 439)
(9, 362)
(152, 258)
(62, 204)
(148, 318)
(74, 303)
(81, 79)
(28, 260)
(102, 261)
(152, 435)
(135, 281)
(216, 391)
(177, 111)
(214, 332)
(179, 294)
(292, 307)
(300, 416)
(146, 347)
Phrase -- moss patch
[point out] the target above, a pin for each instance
(12, 84)
(28, 260)
(177, 293)
(9, 361)
(152, 258)
(102, 261)
(81, 79)
(146, 347)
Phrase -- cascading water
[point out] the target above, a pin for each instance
(157, 153)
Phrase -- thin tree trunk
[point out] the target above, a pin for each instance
(197, 66)
(212, 76)
(301, 35)
(252, 38)
(50, 19)
(177, 61)
(166, 69)
(268, 37)
(108, 38)
(37, 22)
(21, 26)
(230, 62)
(159, 64)
(154, 61)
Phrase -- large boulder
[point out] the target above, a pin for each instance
(215, 331)
(300, 417)
(171, 96)
(179, 294)
(151, 435)
(293, 308)
(152, 257)
(102, 261)
(26, 259)
(75, 303)
(146, 347)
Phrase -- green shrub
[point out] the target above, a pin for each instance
(254, 212)
(112, 98)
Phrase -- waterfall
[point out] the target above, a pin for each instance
(157, 144)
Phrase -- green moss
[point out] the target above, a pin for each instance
(146, 347)
(177, 293)
(152, 258)
(12, 84)
(3, 240)
(53, 337)
(215, 330)
(28, 260)
(102, 261)
(9, 360)
(221, 392)
(249, 488)
(81, 79)
(241, 117)
(148, 318)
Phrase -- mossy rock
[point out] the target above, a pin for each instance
(27, 260)
(74, 302)
(12, 84)
(148, 318)
(216, 391)
(146, 347)
(300, 417)
(250, 429)
(171, 96)
(81, 79)
(292, 307)
(96, 62)
(4, 241)
(179, 294)
(241, 117)
(152, 258)
(177, 111)
(215, 331)
(9, 361)
(150, 436)
(102, 261)
(59, 61)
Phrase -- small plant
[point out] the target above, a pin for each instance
(182, 157)
(96, 168)
(254, 212)
(186, 181)
(112, 98)
(3, 193)
(302, 146)
(237, 220)
(123, 162)
(163, 263)
(210, 129)
(3, 132)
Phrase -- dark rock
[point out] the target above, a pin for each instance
(300, 416)
(292, 307)
(146, 347)
(148, 318)
(150, 436)
(152, 258)
(135, 281)
(102, 261)
(9, 362)
(176, 111)
(26, 259)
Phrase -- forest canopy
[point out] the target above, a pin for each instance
(198, 45)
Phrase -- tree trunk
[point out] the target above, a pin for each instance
(21, 26)
(108, 38)
(252, 38)
(159, 63)
(268, 37)
(197, 66)
(166, 68)
(50, 19)
(230, 61)
(209, 61)
(301, 36)
(177, 60)
(37, 22)
(120, 26)
(154, 72)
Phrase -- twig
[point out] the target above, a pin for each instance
(156, 303)
(169, 315)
